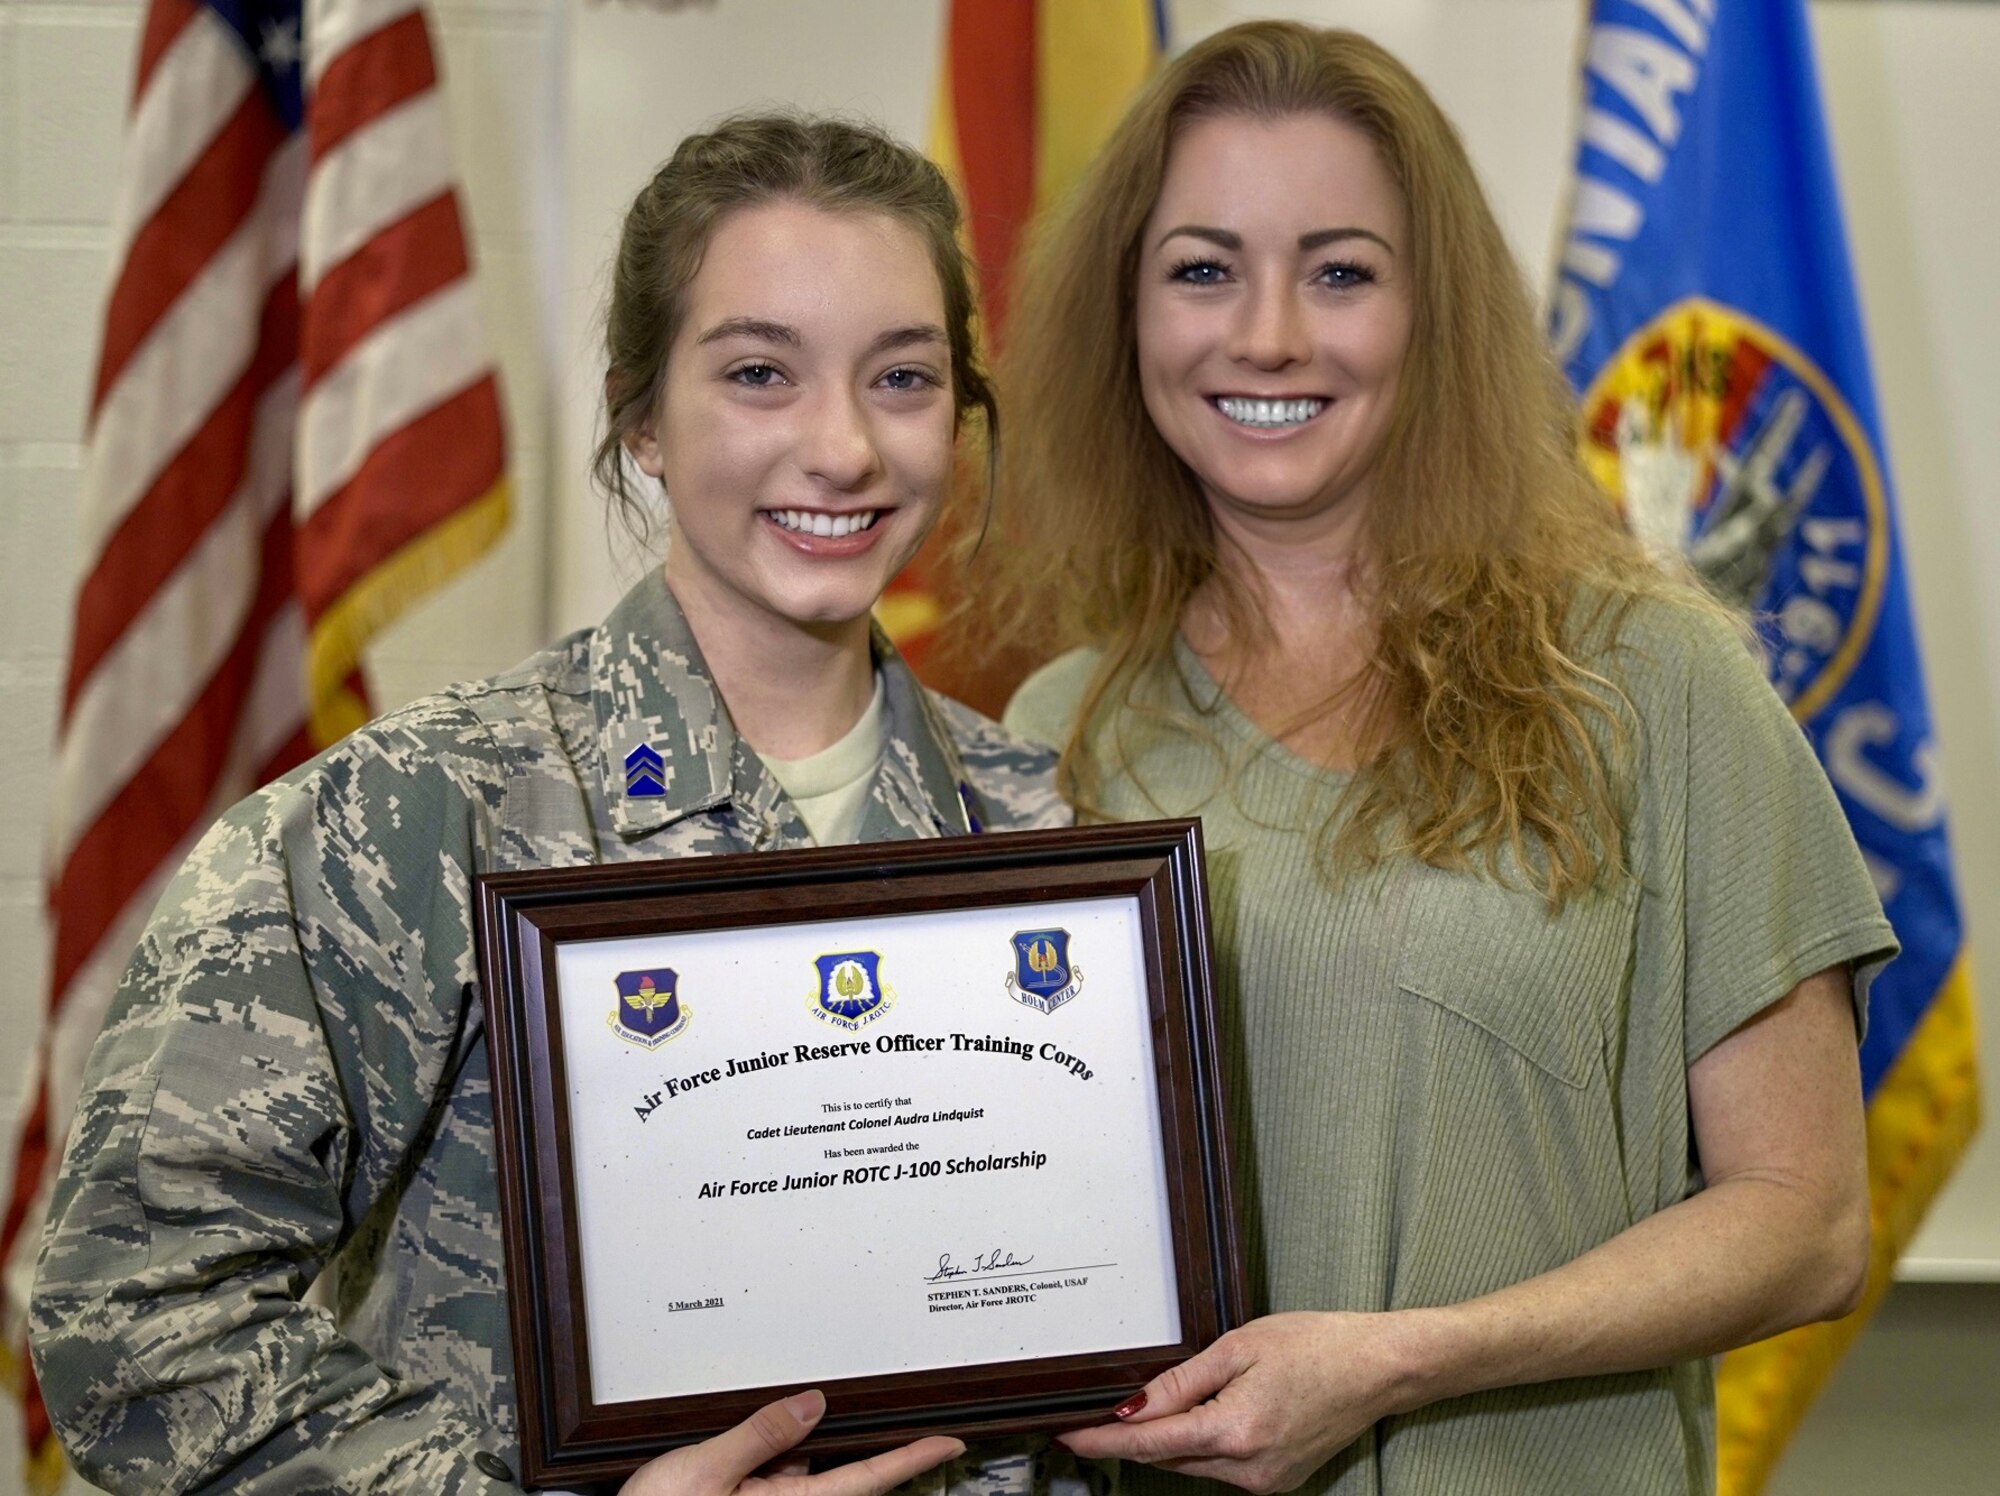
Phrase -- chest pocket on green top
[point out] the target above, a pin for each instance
(1550, 988)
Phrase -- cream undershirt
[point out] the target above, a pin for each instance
(830, 787)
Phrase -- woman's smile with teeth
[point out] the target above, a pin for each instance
(1247, 412)
(832, 526)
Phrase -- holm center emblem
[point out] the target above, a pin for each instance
(1043, 977)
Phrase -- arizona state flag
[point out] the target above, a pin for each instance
(1706, 315)
(1027, 91)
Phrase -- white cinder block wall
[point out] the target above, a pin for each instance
(65, 73)
(1914, 119)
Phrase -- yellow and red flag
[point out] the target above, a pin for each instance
(1027, 91)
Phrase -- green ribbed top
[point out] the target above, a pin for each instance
(1437, 1090)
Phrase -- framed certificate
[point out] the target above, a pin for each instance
(933, 1125)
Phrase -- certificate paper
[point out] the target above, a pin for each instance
(935, 1125)
(876, 1145)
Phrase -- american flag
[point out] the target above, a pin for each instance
(295, 430)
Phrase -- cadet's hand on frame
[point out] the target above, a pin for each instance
(1263, 1407)
(726, 1464)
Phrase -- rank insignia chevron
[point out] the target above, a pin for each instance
(645, 772)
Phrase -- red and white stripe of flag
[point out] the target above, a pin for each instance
(295, 429)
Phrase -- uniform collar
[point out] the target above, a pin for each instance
(920, 789)
(661, 722)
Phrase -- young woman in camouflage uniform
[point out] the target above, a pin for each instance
(291, 1087)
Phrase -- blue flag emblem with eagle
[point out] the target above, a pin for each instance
(1706, 315)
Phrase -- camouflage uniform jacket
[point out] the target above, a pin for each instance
(293, 1074)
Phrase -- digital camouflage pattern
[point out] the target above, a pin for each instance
(292, 1079)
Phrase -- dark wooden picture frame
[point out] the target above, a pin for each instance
(524, 917)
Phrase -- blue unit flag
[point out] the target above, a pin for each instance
(1705, 313)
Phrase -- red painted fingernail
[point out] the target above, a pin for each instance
(1130, 1406)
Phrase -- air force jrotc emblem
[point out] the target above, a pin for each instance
(1042, 976)
(645, 772)
(649, 1010)
(851, 993)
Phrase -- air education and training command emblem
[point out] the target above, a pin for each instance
(851, 993)
(649, 1010)
(1043, 978)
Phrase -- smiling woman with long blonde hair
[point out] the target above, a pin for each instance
(1543, 936)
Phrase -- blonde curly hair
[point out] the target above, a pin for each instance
(1491, 557)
